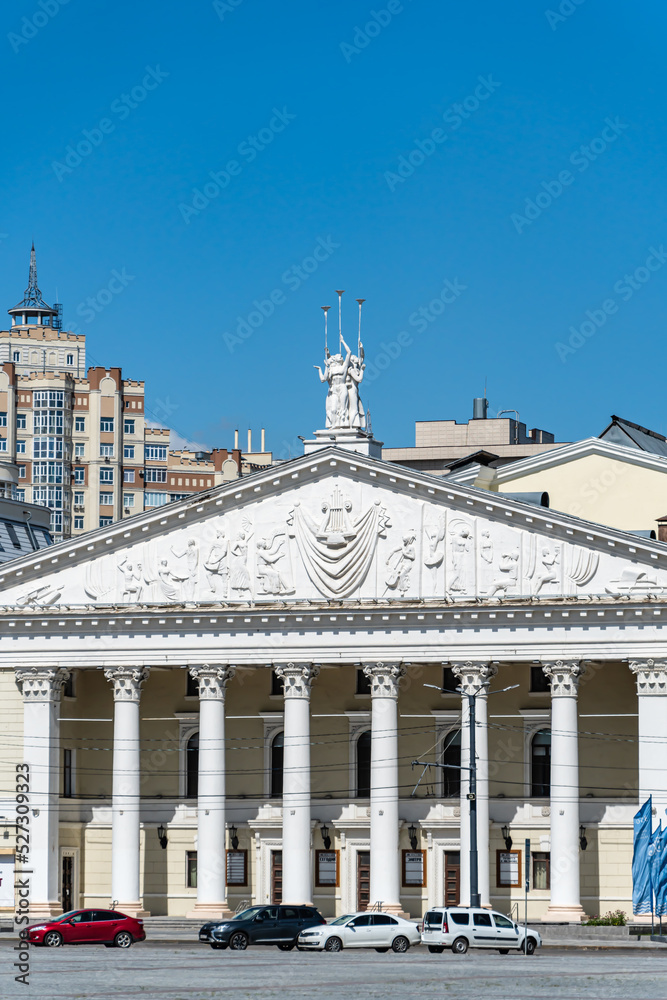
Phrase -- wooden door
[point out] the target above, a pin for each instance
(276, 876)
(363, 879)
(67, 883)
(452, 878)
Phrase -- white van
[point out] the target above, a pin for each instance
(460, 928)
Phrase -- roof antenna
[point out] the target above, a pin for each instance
(325, 310)
(361, 302)
(340, 293)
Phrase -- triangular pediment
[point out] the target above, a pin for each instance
(336, 526)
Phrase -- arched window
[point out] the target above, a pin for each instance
(540, 764)
(451, 754)
(192, 766)
(277, 756)
(364, 766)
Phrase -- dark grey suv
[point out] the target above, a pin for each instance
(278, 925)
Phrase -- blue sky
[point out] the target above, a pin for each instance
(307, 114)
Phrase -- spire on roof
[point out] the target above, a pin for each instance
(32, 297)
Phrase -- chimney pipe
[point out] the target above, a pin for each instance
(249, 440)
(263, 440)
(236, 439)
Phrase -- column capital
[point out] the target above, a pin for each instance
(474, 675)
(41, 684)
(564, 676)
(127, 682)
(384, 678)
(212, 679)
(297, 678)
(651, 676)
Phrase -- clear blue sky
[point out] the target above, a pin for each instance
(360, 102)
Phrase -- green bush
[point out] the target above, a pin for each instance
(615, 918)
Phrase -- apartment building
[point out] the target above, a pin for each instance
(77, 440)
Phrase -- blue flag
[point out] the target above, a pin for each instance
(641, 873)
(661, 892)
(654, 858)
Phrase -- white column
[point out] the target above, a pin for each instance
(474, 677)
(125, 814)
(565, 904)
(211, 867)
(297, 867)
(41, 688)
(385, 859)
(651, 678)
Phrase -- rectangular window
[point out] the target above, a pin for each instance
(21, 421)
(156, 453)
(20, 447)
(128, 499)
(191, 869)
(106, 425)
(20, 495)
(450, 681)
(128, 475)
(155, 475)
(106, 499)
(539, 680)
(21, 471)
(48, 399)
(69, 359)
(3, 419)
(106, 451)
(155, 499)
(178, 496)
(326, 868)
(47, 447)
(78, 522)
(80, 424)
(508, 869)
(191, 686)
(237, 867)
(277, 684)
(106, 475)
(363, 682)
(414, 868)
(68, 773)
(128, 451)
(105, 522)
(79, 499)
(541, 870)
(3, 444)
(79, 450)
(79, 475)
(128, 426)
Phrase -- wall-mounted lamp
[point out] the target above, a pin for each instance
(583, 843)
(233, 836)
(506, 837)
(326, 839)
(412, 834)
(162, 836)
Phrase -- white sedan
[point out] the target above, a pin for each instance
(381, 931)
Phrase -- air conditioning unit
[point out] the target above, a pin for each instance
(128, 510)
(107, 459)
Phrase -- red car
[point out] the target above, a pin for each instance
(115, 930)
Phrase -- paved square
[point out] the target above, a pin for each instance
(174, 971)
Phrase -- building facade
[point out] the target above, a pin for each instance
(224, 700)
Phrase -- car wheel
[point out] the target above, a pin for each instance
(530, 946)
(400, 944)
(460, 946)
(53, 939)
(382, 950)
(333, 944)
(238, 941)
(122, 940)
(436, 949)
(286, 945)
(503, 951)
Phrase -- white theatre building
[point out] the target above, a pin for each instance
(220, 700)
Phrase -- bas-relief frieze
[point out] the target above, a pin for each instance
(339, 539)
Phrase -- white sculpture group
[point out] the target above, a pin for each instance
(344, 375)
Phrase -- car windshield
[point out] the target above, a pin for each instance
(342, 920)
(66, 916)
(248, 914)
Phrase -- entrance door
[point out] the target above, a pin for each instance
(363, 879)
(276, 876)
(67, 883)
(452, 878)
